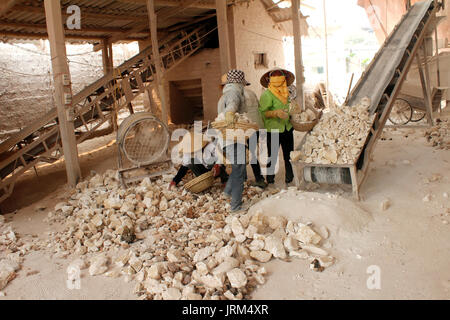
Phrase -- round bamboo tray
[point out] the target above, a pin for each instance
(305, 126)
(201, 183)
(239, 128)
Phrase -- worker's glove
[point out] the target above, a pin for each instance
(172, 185)
(277, 114)
(229, 118)
(216, 170)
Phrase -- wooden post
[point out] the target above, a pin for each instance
(425, 90)
(107, 56)
(224, 40)
(327, 89)
(296, 26)
(61, 74)
(428, 84)
(231, 37)
(156, 57)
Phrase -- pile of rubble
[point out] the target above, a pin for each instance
(12, 252)
(176, 245)
(305, 116)
(439, 135)
(339, 136)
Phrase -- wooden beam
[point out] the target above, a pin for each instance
(29, 35)
(296, 25)
(43, 27)
(197, 20)
(85, 13)
(202, 4)
(156, 58)
(7, 5)
(165, 14)
(122, 35)
(61, 70)
(107, 57)
(224, 40)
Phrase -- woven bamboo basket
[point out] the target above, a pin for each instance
(244, 126)
(305, 126)
(201, 183)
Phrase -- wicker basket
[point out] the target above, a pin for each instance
(223, 127)
(305, 126)
(201, 183)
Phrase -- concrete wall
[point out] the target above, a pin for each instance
(255, 32)
(204, 65)
(26, 82)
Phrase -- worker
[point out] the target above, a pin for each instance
(198, 157)
(251, 108)
(274, 107)
(232, 102)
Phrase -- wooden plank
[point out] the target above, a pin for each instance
(298, 51)
(224, 40)
(60, 69)
(425, 90)
(156, 58)
(429, 101)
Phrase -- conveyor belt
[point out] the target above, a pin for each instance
(382, 80)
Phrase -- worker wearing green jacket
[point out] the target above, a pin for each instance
(274, 108)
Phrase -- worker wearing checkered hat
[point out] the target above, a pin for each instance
(232, 102)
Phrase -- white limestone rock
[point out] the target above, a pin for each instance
(275, 246)
(307, 235)
(237, 278)
(172, 294)
(261, 256)
(99, 265)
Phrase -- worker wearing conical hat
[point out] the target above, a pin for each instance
(199, 156)
(274, 107)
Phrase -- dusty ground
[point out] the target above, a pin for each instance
(409, 242)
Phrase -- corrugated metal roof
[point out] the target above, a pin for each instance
(283, 16)
(99, 18)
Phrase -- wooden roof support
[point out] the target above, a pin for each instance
(86, 13)
(296, 25)
(165, 14)
(157, 59)
(122, 35)
(202, 4)
(61, 70)
(7, 5)
(33, 27)
(30, 35)
(224, 39)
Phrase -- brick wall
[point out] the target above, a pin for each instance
(256, 32)
(204, 65)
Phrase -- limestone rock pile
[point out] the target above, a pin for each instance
(13, 248)
(439, 135)
(339, 136)
(305, 116)
(173, 244)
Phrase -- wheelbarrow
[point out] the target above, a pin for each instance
(408, 108)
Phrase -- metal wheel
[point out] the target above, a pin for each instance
(418, 115)
(401, 112)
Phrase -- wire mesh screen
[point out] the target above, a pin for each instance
(145, 141)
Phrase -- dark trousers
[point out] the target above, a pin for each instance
(286, 141)
(256, 168)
